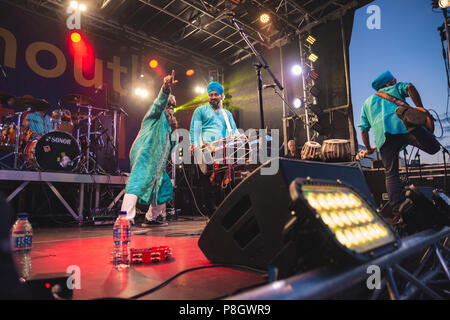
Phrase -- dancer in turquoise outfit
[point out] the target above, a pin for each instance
(148, 182)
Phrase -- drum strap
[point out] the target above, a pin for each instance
(227, 121)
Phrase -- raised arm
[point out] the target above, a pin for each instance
(163, 97)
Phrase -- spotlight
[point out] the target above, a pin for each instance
(200, 90)
(311, 40)
(190, 72)
(153, 63)
(339, 222)
(297, 70)
(83, 7)
(143, 93)
(444, 3)
(75, 37)
(298, 102)
(74, 4)
(312, 57)
(314, 75)
(264, 18)
(315, 91)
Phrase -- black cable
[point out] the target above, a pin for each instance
(192, 192)
(182, 235)
(439, 120)
(165, 283)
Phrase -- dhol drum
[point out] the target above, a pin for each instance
(54, 151)
(336, 150)
(62, 119)
(311, 150)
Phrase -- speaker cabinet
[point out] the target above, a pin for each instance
(247, 228)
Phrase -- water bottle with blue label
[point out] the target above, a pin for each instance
(21, 241)
(122, 237)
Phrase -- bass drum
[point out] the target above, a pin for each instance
(54, 151)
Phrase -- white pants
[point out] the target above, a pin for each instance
(129, 205)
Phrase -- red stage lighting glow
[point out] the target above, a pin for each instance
(153, 63)
(75, 37)
(190, 72)
(48, 285)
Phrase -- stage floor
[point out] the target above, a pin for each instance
(89, 248)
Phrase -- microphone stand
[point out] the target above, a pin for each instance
(417, 156)
(261, 64)
(296, 116)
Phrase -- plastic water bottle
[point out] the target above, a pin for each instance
(122, 238)
(21, 241)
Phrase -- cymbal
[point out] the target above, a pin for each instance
(4, 97)
(79, 115)
(35, 104)
(77, 99)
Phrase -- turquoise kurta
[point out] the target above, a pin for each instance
(379, 114)
(149, 154)
(38, 123)
(209, 124)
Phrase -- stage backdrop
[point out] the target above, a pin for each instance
(241, 80)
(40, 60)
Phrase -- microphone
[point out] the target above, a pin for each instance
(270, 85)
(3, 71)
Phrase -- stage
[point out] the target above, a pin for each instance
(89, 248)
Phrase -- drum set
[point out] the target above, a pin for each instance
(70, 141)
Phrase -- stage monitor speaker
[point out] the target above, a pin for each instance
(247, 228)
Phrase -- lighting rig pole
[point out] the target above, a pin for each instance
(308, 82)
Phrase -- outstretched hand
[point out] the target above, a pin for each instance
(168, 81)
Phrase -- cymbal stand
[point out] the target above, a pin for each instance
(118, 111)
(88, 136)
(15, 153)
(16, 149)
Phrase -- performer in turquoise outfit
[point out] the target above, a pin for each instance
(148, 182)
(211, 122)
(391, 135)
(38, 122)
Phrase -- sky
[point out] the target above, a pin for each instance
(409, 45)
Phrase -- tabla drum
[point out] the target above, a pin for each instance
(336, 150)
(54, 151)
(311, 151)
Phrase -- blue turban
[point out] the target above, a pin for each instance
(382, 80)
(215, 86)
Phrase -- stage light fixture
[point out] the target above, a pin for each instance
(314, 75)
(75, 37)
(312, 57)
(153, 63)
(311, 40)
(444, 3)
(297, 70)
(424, 208)
(83, 7)
(140, 92)
(264, 18)
(190, 72)
(74, 4)
(298, 102)
(200, 90)
(337, 219)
